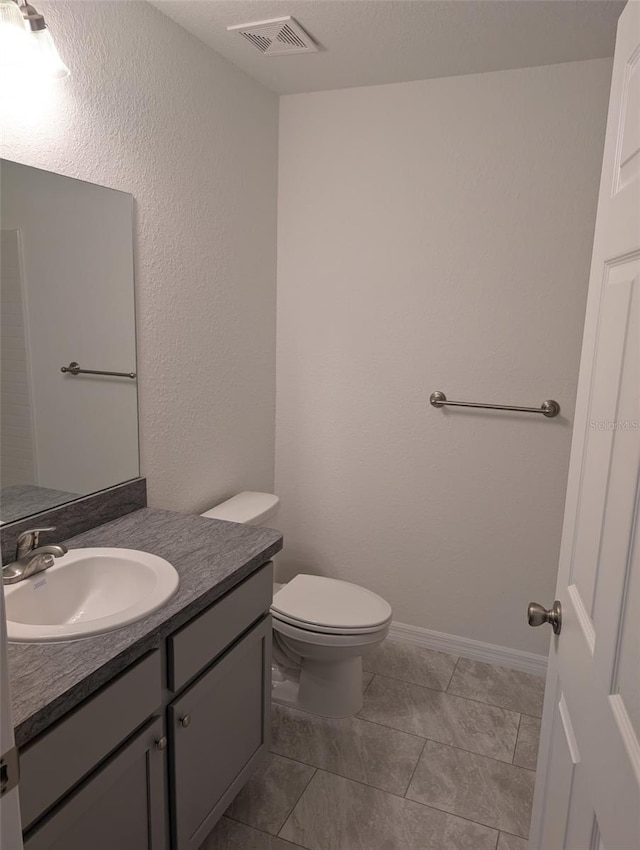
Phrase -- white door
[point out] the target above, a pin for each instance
(10, 831)
(588, 785)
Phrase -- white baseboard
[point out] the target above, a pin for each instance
(516, 659)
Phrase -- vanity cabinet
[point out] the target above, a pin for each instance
(65, 755)
(153, 759)
(218, 733)
(121, 806)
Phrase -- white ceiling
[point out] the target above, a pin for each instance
(369, 42)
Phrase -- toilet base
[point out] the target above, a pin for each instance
(327, 689)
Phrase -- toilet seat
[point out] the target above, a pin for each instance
(312, 629)
(329, 639)
(329, 606)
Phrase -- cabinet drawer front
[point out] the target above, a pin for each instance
(61, 757)
(218, 729)
(119, 808)
(195, 646)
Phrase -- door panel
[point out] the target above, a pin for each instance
(588, 785)
(627, 167)
(562, 763)
(628, 656)
(610, 401)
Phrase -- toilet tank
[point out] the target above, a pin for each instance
(249, 508)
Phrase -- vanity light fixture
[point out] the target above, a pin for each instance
(14, 38)
(43, 47)
(26, 43)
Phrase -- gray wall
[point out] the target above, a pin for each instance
(434, 235)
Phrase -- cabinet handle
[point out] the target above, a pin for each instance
(161, 743)
(185, 721)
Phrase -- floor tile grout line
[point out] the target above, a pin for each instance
(415, 767)
(512, 834)
(424, 738)
(442, 743)
(349, 717)
(493, 704)
(351, 778)
(453, 673)
(300, 795)
(362, 720)
(457, 696)
(480, 755)
(405, 681)
(286, 817)
(317, 767)
(537, 717)
(297, 761)
(460, 817)
(368, 685)
(389, 794)
(290, 758)
(359, 781)
(383, 791)
(398, 797)
(460, 657)
(515, 746)
(262, 831)
(453, 814)
(470, 658)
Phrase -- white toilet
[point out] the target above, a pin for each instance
(321, 627)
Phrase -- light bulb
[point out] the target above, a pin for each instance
(45, 55)
(15, 43)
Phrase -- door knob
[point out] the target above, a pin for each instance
(161, 743)
(538, 615)
(185, 721)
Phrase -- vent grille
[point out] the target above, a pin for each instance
(277, 37)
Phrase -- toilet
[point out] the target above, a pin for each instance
(321, 627)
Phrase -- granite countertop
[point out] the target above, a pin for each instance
(22, 500)
(211, 556)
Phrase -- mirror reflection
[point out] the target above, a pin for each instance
(66, 297)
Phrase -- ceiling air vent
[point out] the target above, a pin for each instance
(277, 37)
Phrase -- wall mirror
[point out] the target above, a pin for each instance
(66, 297)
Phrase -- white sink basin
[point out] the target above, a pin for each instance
(87, 592)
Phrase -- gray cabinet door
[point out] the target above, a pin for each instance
(120, 807)
(55, 762)
(219, 732)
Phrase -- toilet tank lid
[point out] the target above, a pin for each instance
(248, 507)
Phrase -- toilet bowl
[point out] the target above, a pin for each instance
(321, 627)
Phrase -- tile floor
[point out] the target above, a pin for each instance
(441, 757)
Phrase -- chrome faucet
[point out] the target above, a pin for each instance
(30, 557)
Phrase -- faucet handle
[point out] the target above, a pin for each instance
(30, 539)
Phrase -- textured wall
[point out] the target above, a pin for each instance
(434, 235)
(152, 111)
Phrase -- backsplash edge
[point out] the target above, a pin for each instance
(80, 515)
